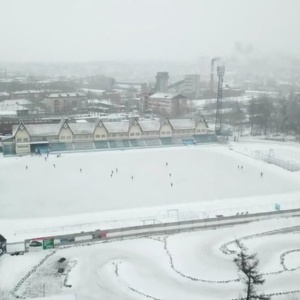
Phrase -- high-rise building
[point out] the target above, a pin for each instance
(162, 82)
(191, 85)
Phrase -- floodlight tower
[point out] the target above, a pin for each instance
(218, 124)
(212, 68)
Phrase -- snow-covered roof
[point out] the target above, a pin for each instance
(182, 124)
(4, 94)
(82, 128)
(26, 92)
(149, 125)
(8, 113)
(113, 127)
(167, 96)
(11, 107)
(40, 129)
(96, 101)
(65, 95)
(16, 101)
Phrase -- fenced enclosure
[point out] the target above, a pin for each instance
(284, 158)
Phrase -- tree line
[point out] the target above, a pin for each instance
(267, 115)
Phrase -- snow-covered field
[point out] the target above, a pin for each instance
(52, 196)
(206, 181)
(286, 155)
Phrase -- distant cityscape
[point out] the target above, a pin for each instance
(37, 93)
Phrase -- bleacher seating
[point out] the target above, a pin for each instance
(9, 150)
(112, 144)
(177, 140)
(206, 138)
(133, 143)
(101, 144)
(166, 141)
(137, 143)
(84, 146)
(123, 144)
(189, 141)
(141, 143)
(57, 147)
(153, 142)
(69, 147)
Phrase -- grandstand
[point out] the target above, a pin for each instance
(101, 145)
(166, 141)
(100, 135)
(121, 144)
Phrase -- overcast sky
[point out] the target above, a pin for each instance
(86, 30)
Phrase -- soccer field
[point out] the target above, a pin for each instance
(56, 186)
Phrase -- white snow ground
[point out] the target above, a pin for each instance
(44, 200)
(179, 266)
(206, 182)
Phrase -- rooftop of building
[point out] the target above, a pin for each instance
(15, 102)
(65, 95)
(167, 96)
(111, 127)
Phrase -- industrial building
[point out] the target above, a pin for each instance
(162, 79)
(64, 102)
(168, 104)
(191, 85)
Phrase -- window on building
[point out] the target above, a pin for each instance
(114, 134)
(25, 139)
(62, 137)
(68, 137)
(97, 136)
(19, 140)
(131, 133)
(137, 133)
(103, 135)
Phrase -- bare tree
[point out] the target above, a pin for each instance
(247, 265)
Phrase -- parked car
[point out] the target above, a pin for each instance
(35, 244)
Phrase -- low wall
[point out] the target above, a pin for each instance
(165, 228)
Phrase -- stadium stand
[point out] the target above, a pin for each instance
(9, 150)
(177, 141)
(112, 144)
(123, 144)
(189, 141)
(133, 143)
(84, 146)
(209, 138)
(101, 144)
(141, 143)
(166, 141)
(153, 142)
(58, 147)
